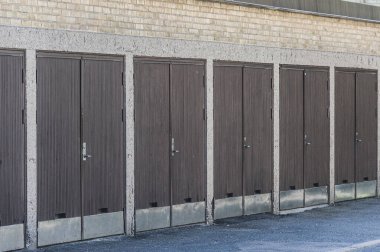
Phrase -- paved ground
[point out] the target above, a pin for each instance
(337, 228)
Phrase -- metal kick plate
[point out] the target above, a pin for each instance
(366, 189)
(188, 213)
(101, 225)
(344, 192)
(152, 218)
(59, 231)
(316, 196)
(228, 207)
(291, 199)
(12, 237)
(259, 203)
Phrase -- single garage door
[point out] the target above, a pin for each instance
(169, 142)
(12, 130)
(80, 147)
(304, 136)
(243, 133)
(356, 134)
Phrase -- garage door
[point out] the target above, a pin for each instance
(12, 173)
(80, 147)
(243, 138)
(169, 142)
(356, 142)
(304, 136)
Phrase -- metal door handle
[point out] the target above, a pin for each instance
(307, 143)
(174, 151)
(359, 140)
(84, 152)
(247, 146)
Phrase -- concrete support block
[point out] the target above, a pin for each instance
(31, 150)
(276, 138)
(210, 141)
(130, 143)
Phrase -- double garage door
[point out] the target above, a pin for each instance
(169, 143)
(79, 147)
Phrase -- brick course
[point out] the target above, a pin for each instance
(196, 20)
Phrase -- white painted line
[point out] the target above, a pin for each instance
(358, 246)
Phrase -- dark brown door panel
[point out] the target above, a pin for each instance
(228, 144)
(152, 184)
(291, 129)
(257, 127)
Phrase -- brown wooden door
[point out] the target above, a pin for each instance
(152, 184)
(291, 129)
(257, 128)
(12, 174)
(58, 137)
(345, 125)
(366, 126)
(102, 133)
(228, 144)
(316, 129)
(187, 167)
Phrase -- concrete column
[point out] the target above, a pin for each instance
(378, 133)
(332, 134)
(31, 150)
(210, 141)
(130, 143)
(276, 138)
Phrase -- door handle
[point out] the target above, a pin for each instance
(84, 152)
(174, 151)
(247, 146)
(359, 140)
(307, 143)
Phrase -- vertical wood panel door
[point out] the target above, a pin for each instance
(187, 133)
(228, 144)
(102, 133)
(291, 129)
(316, 129)
(152, 184)
(257, 127)
(345, 125)
(366, 126)
(12, 175)
(58, 138)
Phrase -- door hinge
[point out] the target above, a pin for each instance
(271, 82)
(328, 112)
(134, 115)
(204, 114)
(23, 116)
(271, 113)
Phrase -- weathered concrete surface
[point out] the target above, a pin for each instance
(332, 228)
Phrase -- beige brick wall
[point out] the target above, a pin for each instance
(196, 20)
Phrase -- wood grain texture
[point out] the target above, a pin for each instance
(102, 131)
(228, 144)
(152, 184)
(258, 130)
(58, 137)
(366, 126)
(187, 123)
(12, 173)
(316, 129)
(291, 129)
(345, 127)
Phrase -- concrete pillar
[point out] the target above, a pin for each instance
(276, 138)
(130, 143)
(378, 133)
(332, 134)
(31, 150)
(210, 141)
